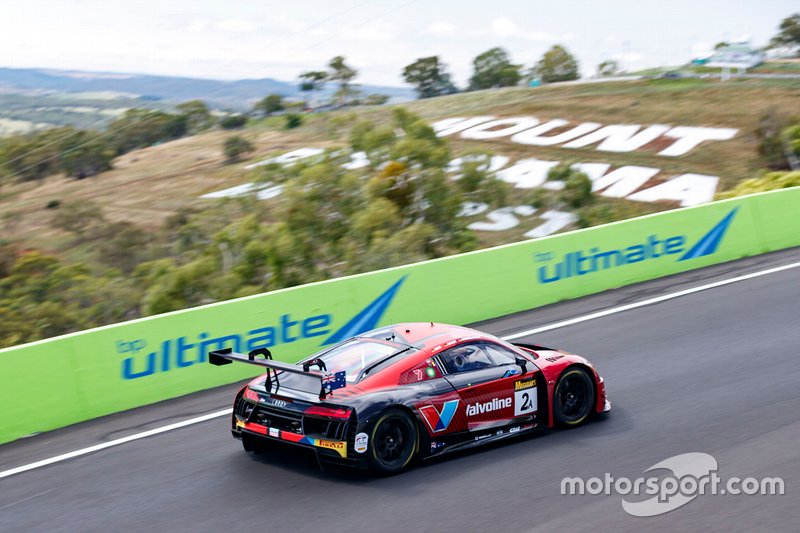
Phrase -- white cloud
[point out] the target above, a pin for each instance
(377, 30)
(441, 28)
(197, 26)
(235, 26)
(629, 59)
(504, 27)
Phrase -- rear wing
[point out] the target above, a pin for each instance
(323, 382)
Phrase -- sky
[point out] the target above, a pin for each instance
(234, 39)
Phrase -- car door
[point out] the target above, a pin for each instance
(486, 389)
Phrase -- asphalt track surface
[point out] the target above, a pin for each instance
(716, 371)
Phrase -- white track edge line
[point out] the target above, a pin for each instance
(115, 442)
(541, 329)
(650, 301)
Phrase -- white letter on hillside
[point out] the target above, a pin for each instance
(513, 125)
(449, 126)
(620, 137)
(689, 137)
(527, 173)
(534, 135)
(688, 189)
(623, 181)
(496, 162)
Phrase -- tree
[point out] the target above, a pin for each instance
(721, 44)
(493, 68)
(557, 64)
(429, 77)
(344, 74)
(293, 120)
(376, 99)
(312, 81)
(85, 153)
(607, 68)
(270, 104)
(789, 34)
(139, 128)
(235, 147)
(198, 116)
(233, 122)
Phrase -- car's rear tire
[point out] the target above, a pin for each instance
(573, 397)
(393, 442)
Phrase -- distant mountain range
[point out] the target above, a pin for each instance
(236, 94)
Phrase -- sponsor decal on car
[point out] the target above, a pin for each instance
(361, 443)
(525, 384)
(439, 419)
(340, 447)
(525, 400)
(435, 445)
(487, 407)
(275, 433)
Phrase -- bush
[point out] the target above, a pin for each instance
(293, 120)
(235, 147)
(578, 190)
(233, 122)
(577, 185)
(53, 204)
(768, 182)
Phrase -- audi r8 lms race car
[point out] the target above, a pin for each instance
(417, 390)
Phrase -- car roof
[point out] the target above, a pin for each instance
(425, 335)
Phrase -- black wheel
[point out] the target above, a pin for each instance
(393, 442)
(573, 398)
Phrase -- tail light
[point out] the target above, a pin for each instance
(329, 412)
(250, 394)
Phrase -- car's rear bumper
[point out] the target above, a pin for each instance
(327, 451)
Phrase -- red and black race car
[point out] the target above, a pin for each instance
(388, 396)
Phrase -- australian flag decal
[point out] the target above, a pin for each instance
(331, 382)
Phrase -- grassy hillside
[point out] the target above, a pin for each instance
(146, 186)
(737, 104)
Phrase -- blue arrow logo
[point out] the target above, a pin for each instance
(368, 318)
(709, 243)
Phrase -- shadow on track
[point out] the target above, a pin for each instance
(303, 463)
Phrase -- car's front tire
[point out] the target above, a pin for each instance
(573, 397)
(393, 442)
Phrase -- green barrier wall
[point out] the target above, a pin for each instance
(57, 382)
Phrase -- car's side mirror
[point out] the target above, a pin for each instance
(522, 363)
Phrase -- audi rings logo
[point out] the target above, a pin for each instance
(277, 403)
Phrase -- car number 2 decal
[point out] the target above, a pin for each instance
(525, 400)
